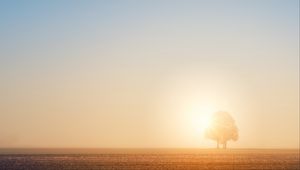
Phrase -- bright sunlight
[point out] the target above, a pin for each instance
(200, 117)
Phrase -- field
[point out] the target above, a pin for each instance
(131, 159)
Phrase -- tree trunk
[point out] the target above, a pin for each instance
(225, 145)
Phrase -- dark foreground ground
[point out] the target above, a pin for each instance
(131, 159)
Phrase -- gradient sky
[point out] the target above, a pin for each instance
(138, 73)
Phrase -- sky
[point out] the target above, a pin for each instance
(145, 74)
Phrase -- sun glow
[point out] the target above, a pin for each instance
(200, 117)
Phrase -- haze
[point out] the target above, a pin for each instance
(138, 74)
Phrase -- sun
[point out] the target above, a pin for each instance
(200, 118)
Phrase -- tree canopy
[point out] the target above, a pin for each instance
(222, 128)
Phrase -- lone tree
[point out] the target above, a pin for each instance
(222, 129)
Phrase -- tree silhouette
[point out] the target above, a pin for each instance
(222, 128)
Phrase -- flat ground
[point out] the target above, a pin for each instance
(71, 159)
